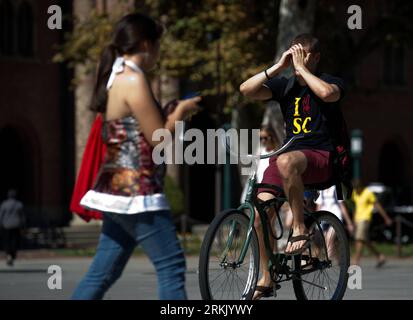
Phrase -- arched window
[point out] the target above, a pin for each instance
(25, 26)
(6, 28)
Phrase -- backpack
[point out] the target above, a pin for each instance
(341, 156)
(342, 163)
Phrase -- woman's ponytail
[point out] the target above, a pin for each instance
(128, 36)
(100, 95)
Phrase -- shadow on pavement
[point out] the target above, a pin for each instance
(24, 271)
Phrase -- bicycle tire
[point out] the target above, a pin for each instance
(204, 260)
(344, 256)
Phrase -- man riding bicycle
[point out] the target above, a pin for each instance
(304, 100)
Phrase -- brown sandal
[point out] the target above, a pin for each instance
(306, 245)
(264, 292)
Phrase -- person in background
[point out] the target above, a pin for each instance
(327, 201)
(365, 202)
(268, 142)
(12, 220)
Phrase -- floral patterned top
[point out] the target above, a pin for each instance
(129, 182)
(128, 169)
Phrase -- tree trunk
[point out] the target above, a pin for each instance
(295, 17)
(168, 89)
(83, 93)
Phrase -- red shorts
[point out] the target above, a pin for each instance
(319, 170)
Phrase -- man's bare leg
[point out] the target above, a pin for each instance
(274, 243)
(291, 166)
(265, 280)
(330, 238)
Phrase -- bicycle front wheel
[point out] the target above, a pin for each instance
(221, 276)
(322, 270)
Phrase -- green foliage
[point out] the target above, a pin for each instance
(175, 196)
(85, 43)
(213, 43)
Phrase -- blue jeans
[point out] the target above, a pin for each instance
(156, 233)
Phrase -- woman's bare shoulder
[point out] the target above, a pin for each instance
(131, 79)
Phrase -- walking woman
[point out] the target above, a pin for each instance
(129, 187)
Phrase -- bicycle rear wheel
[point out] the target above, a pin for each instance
(322, 270)
(220, 277)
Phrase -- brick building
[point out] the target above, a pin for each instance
(36, 111)
(376, 62)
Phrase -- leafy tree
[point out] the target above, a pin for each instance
(213, 44)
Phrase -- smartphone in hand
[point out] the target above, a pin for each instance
(191, 95)
(171, 105)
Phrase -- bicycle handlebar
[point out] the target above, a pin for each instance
(265, 156)
(282, 149)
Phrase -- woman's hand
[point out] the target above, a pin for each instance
(187, 108)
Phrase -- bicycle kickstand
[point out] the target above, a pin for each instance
(276, 287)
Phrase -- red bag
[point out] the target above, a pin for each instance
(92, 159)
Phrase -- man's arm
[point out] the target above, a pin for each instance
(325, 91)
(346, 216)
(254, 87)
(383, 213)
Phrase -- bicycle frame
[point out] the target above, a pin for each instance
(251, 201)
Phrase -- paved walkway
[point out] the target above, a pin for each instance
(28, 280)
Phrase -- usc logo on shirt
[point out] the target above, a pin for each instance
(301, 123)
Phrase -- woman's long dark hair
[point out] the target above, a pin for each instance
(128, 35)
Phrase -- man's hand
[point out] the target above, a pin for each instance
(350, 228)
(388, 222)
(285, 60)
(299, 57)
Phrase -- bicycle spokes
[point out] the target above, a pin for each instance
(322, 269)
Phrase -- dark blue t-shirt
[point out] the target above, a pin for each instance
(304, 112)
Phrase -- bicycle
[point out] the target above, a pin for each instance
(229, 258)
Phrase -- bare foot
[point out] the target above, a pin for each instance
(297, 245)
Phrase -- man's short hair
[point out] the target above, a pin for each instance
(307, 40)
